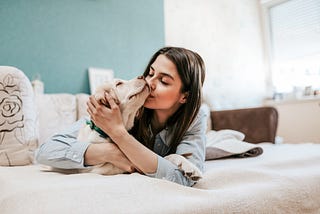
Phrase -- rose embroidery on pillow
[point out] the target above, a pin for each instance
(11, 114)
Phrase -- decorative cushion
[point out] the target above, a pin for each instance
(18, 118)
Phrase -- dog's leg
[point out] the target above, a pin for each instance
(189, 169)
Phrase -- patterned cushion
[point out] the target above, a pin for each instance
(18, 118)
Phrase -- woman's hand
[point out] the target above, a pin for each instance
(107, 119)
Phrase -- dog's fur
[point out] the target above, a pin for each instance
(130, 96)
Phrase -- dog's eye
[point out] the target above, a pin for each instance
(119, 83)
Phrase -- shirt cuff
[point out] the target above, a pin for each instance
(168, 171)
(72, 157)
(76, 152)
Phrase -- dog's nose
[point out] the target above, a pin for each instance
(140, 77)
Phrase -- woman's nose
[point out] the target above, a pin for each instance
(151, 83)
(152, 86)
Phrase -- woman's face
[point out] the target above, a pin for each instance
(165, 84)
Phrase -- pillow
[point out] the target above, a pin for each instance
(82, 105)
(56, 112)
(18, 118)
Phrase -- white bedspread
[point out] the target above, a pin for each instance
(284, 179)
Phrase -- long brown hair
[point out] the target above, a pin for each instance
(191, 70)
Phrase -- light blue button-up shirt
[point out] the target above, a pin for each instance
(63, 150)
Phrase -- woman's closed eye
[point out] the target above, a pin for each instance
(163, 78)
(151, 74)
(163, 81)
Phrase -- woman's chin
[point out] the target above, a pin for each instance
(148, 104)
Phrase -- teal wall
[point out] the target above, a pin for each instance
(60, 39)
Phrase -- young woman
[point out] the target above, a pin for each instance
(171, 122)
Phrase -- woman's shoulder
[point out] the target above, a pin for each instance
(204, 110)
(200, 121)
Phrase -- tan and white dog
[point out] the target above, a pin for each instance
(130, 95)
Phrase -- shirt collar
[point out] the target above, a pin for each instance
(164, 134)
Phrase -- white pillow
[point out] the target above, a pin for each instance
(82, 105)
(56, 113)
(18, 118)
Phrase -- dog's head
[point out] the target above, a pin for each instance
(130, 95)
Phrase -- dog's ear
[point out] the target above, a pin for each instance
(139, 113)
(101, 91)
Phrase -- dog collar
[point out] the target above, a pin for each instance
(96, 128)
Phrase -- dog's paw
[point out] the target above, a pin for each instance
(190, 170)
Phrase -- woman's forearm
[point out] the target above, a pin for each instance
(142, 157)
(108, 153)
(96, 154)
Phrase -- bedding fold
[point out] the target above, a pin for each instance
(229, 143)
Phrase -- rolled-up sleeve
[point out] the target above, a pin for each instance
(193, 142)
(63, 150)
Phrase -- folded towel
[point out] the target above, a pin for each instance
(229, 143)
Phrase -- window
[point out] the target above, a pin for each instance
(294, 32)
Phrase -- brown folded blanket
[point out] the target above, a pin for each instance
(229, 143)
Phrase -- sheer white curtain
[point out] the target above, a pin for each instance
(295, 43)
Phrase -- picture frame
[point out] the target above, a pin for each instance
(98, 76)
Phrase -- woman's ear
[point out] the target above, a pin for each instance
(184, 98)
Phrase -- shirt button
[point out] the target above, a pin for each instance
(158, 145)
(75, 156)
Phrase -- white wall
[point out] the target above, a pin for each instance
(227, 34)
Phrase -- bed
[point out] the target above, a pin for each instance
(275, 178)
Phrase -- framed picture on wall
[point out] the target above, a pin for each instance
(97, 76)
